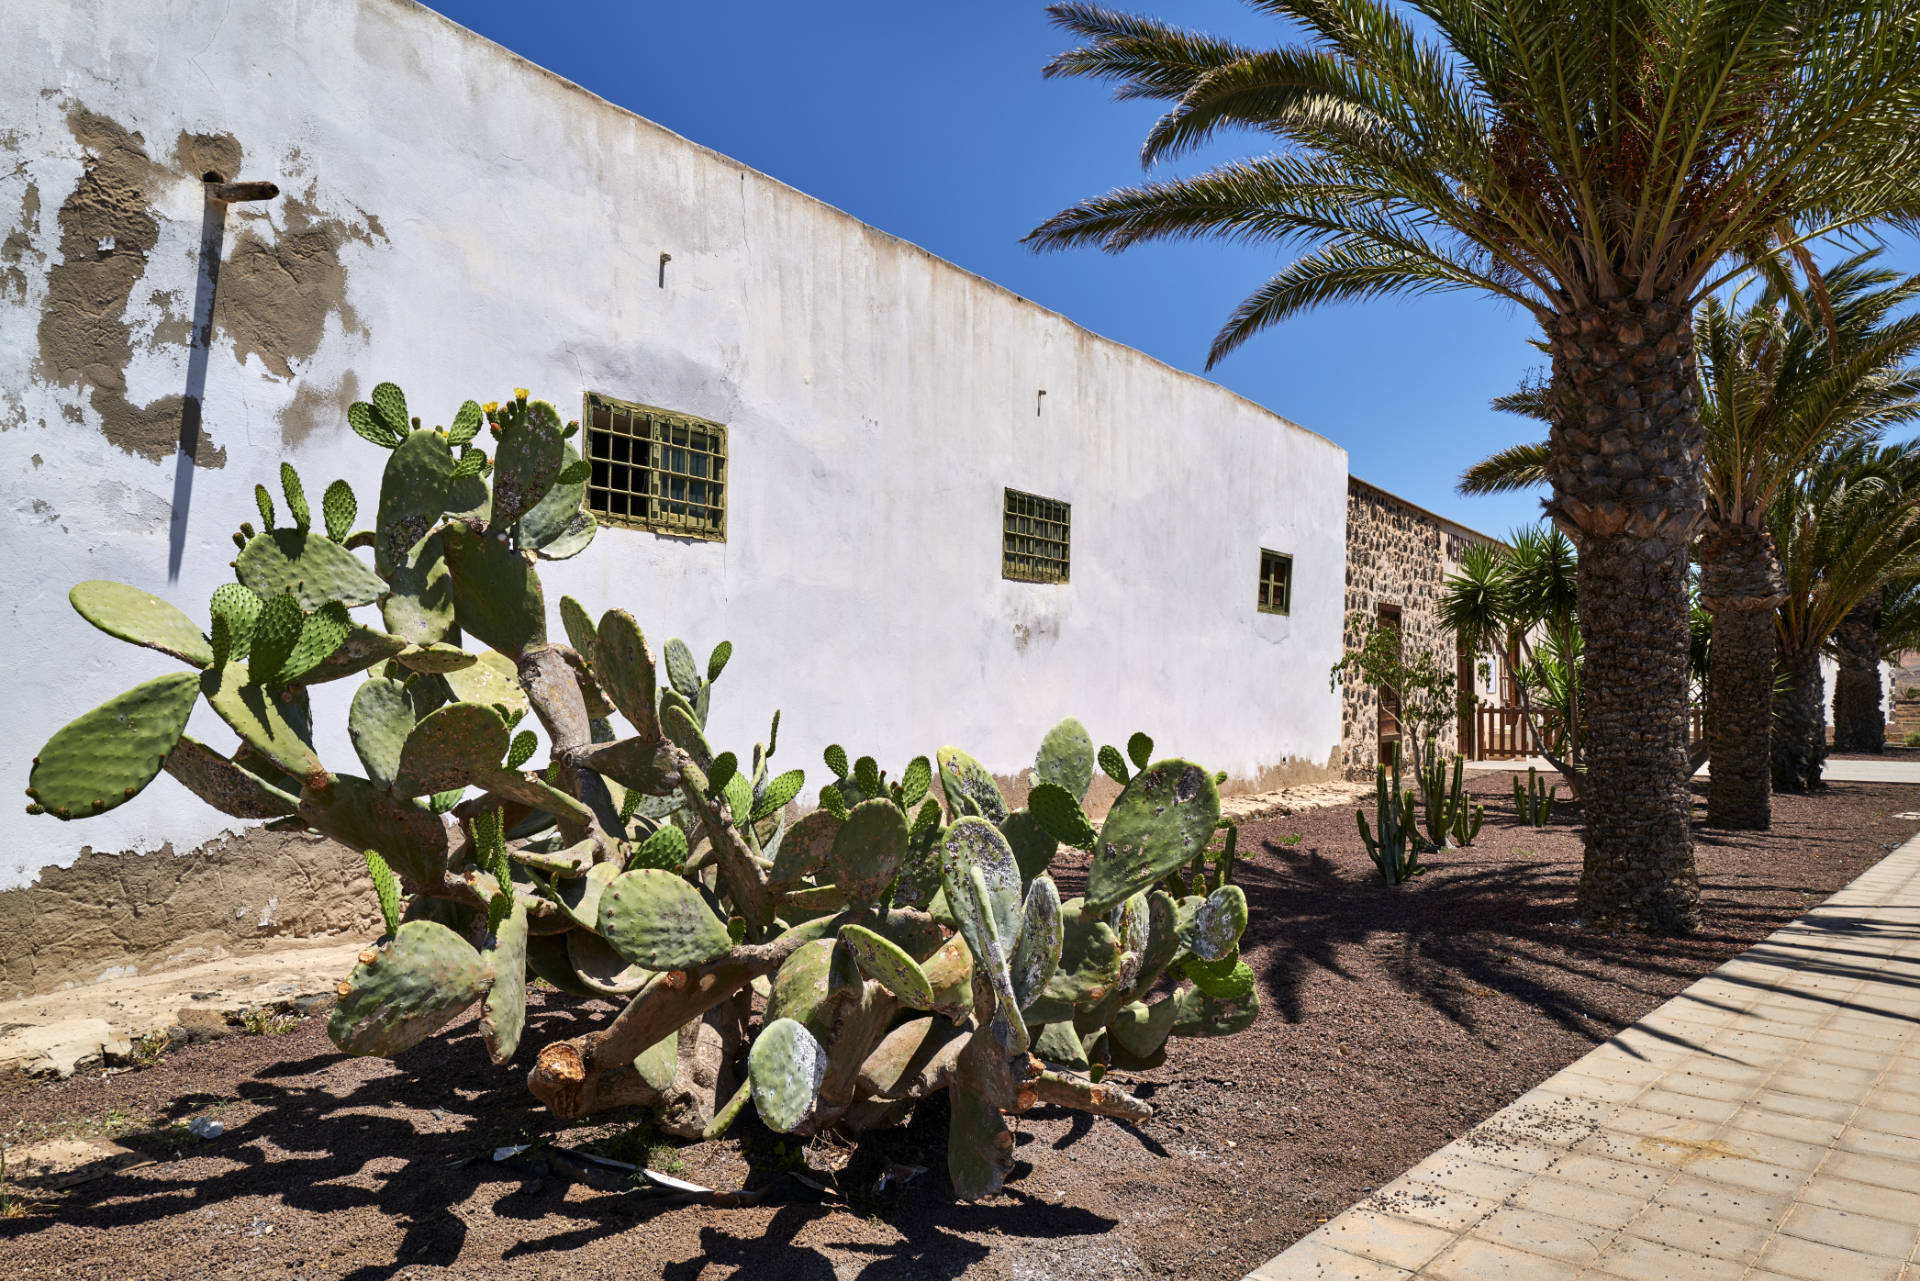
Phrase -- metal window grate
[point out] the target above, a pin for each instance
(658, 470)
(1034, 539)
(1276, 582)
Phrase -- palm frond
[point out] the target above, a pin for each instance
(1513, 468)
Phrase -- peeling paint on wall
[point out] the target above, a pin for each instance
(17, 248)
(275, 296)
(107, 229)
(315, 408)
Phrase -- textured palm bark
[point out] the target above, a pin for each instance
(1859, 709)
(1740, 585)
(1625, 461)
(1799, 723)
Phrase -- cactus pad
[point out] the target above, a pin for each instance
(1057, 812)
(883, 961)
(496, 594)
(813, 983)
(602, 970)
(623, 666)
(982, 885)
(1089, 965)
(1197, 1014)
(786, 1066)
(451, 748)
(1141, 1030)
(658, 921)
(308, 564)
(436, 658)
(491, 680)
(224, 785)
(142, 618)
(867, 849)
(681, 673)
(979, 1144)
(266, 721)
(1165, 816)
(548, 522)
(804, 848)
(1033, 847)
(527, 463)
(1038, 951)
(503, 1013)
(378, 722)
(413, 494)
(359, 649)
(1227, 979)
(403, 992)
(970, 788)
(419, 608)
(1066, 761)
(1217, 924)
(665, 851)
(104, 758)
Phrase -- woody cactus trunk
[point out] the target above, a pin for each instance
(909, 941)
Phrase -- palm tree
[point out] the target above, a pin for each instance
(1845, 529)
(1800, 371)
(1601, 165)
(1859, 719)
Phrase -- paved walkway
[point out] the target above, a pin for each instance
(1762, 1125)
(1834, 771)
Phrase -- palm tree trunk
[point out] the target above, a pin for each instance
(1859, 713)
(1740, 586)
(1625, 460)
(1800, 722)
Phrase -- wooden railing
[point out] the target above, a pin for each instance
(1502, 733)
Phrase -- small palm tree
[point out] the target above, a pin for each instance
(1523, 599)
(1845, 529)
(1800, 371)
(1601, 165)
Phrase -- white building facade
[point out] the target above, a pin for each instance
(459, 221)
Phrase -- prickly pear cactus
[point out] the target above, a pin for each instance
(539, 809)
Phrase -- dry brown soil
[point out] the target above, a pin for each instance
(1394, 1020)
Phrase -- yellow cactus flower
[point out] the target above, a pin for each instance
(490, 406)
(519, 393)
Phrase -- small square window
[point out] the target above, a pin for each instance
(656, 469)
(1276, 582)
(1034, 539)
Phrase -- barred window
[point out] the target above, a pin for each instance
(1034, 539)
(1276, 582)
(656, 469)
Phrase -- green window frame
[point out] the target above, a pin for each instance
(1035, 538)
(1276, 582)
(656, 469)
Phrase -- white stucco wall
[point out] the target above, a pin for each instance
(497, 226)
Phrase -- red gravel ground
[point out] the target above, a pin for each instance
(1394, 1020)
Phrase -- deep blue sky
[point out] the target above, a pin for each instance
(932, 122)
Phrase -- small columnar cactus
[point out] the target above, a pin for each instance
(1396, 851)
(910, 938)
(1452, 820)
(1535, 801)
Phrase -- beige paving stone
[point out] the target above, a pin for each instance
(1896, 1147)
(1619, 1177)
(1848, 1054)
(1901, 1204)
(1723, 1200)
(1780, 1101)
(1872, 1169)
(1745, 1172)
(1700, 1231)
(1470, 1259)
(1632, 1259)
(1851, 1231)
(1580, 1202)
(1544, 1234)
(1812, 1261)
(1385, 1238)
(1313, 1260)
(1888, 1121)
(1801, 1129)
(1772, 1148)
(1692, 1107)
(1488, 1181)
(1433, 1205)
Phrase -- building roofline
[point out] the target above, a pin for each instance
(745, 168)
(1447, 521)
